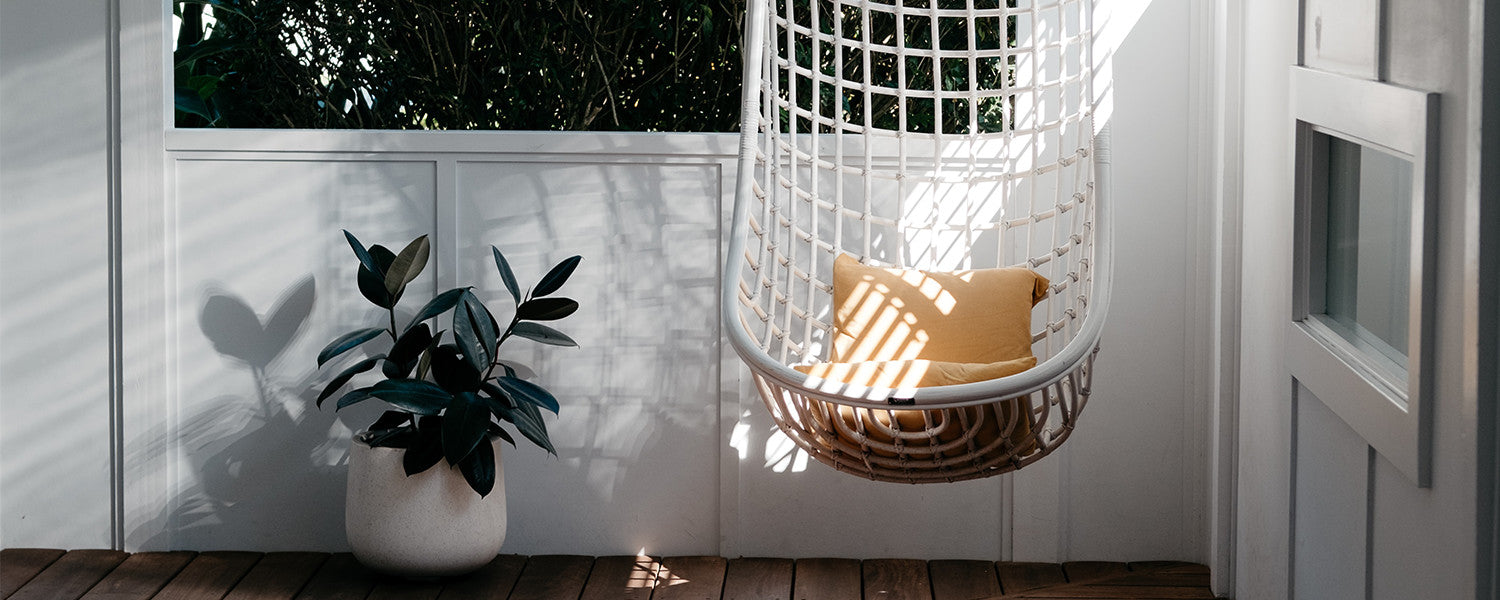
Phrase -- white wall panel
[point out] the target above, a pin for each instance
(263, 279)
(1332, 492)
(1415, 542)
(1342, 36)
(1130, 465)
(637, 436)
(54, 275)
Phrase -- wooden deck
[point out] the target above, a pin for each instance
(33, 574)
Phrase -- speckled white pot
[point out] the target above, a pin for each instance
(431, 524)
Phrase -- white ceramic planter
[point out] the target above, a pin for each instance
(428, 525)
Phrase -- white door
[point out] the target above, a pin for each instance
(1334, 500)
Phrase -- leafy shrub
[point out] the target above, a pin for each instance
(581, 65)
(590, 65)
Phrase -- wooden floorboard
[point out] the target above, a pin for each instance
(140, 577)
(690, 578)
(963, 579)
(1079, 572)
(278, 576)
(622, 578)
(19, 565)
(554, 577)
(826, 579)
(1017, 577)
(896, 579)
(209, 575)
(70, 576)
(758, 579)
(390, 588)
(39, 574)
(340, 578)
(493, 582)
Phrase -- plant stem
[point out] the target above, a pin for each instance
(505, 336)
(392, 311)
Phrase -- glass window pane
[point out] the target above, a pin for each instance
(1367, 274)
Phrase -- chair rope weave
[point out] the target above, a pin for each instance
(926, 134)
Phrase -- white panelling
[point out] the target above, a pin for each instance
(637, 436)
(1419, 542)
(54, 276)
(1262, 569)
(262, 280)
(1132, 470)
(1332, 490)
(1342, 36)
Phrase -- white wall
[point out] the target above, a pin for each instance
(649, 458)
(54, 279)
(1321, 514)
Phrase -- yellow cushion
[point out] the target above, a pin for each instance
(949, 425)
(914, 373)
(980, 316)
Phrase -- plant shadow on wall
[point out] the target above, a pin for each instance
(257, 459)
(637, 435)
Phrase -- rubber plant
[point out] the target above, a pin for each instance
(447, 389)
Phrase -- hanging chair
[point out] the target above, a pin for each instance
(939, 135)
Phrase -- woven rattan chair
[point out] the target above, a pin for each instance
(852, 142)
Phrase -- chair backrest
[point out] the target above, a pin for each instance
(932, 134)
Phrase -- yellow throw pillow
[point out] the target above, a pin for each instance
(914, 373)
(980, 316)
(992, 423)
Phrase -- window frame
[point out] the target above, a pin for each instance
(1388, 406)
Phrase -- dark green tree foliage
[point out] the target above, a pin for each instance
(583, 65)
(579, 65)
(990, 73)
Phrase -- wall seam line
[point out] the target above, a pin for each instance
(116, 383)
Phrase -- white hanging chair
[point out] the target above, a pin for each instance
(852, 142)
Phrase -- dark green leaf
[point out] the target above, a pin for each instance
(425, 362)
(484, 325)
(189, 100)
(479, 468)
(437, 306)
(521, 389)
(353, 397)
(528, 421)
(408, 264)
(468, 327)
(464, 424)
(546, 309)
(409, 348)
(506, 275)
(412, 395)
(373, 289)
(555, 278)
(383, 257)
(542, 333)
(500, 396)
(426, 450)
(347, 374)
(206, 48)
(364, 255)
(391, 419)
(499, 432)
(452, 372)
(347, 342)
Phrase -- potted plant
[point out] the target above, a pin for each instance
(426, 492)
